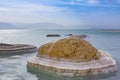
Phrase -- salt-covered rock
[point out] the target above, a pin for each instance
(12, 49)
(72, 57)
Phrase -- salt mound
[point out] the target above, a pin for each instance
(72, 48)
(72, 57)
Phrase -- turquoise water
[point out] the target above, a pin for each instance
(14, 67)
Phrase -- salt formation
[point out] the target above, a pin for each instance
(12, 49)
(72, 57)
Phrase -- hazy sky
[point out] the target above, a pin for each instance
(66, 12)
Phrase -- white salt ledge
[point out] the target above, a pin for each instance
(104, 64)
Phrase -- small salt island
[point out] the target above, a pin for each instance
(12, 49)
(72, 57)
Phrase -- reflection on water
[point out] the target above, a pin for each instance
(43, 75)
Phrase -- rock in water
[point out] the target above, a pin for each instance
(72, 57)
(53, 35)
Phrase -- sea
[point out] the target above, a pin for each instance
(15, 67)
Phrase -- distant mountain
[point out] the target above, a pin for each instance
(44, 26)
(4, 25)
(94, 27)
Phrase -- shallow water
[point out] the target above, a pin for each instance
(14, 67)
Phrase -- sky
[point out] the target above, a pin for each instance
(65, 12)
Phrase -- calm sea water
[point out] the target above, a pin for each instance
(14, 67)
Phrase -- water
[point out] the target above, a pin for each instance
(14, 67)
